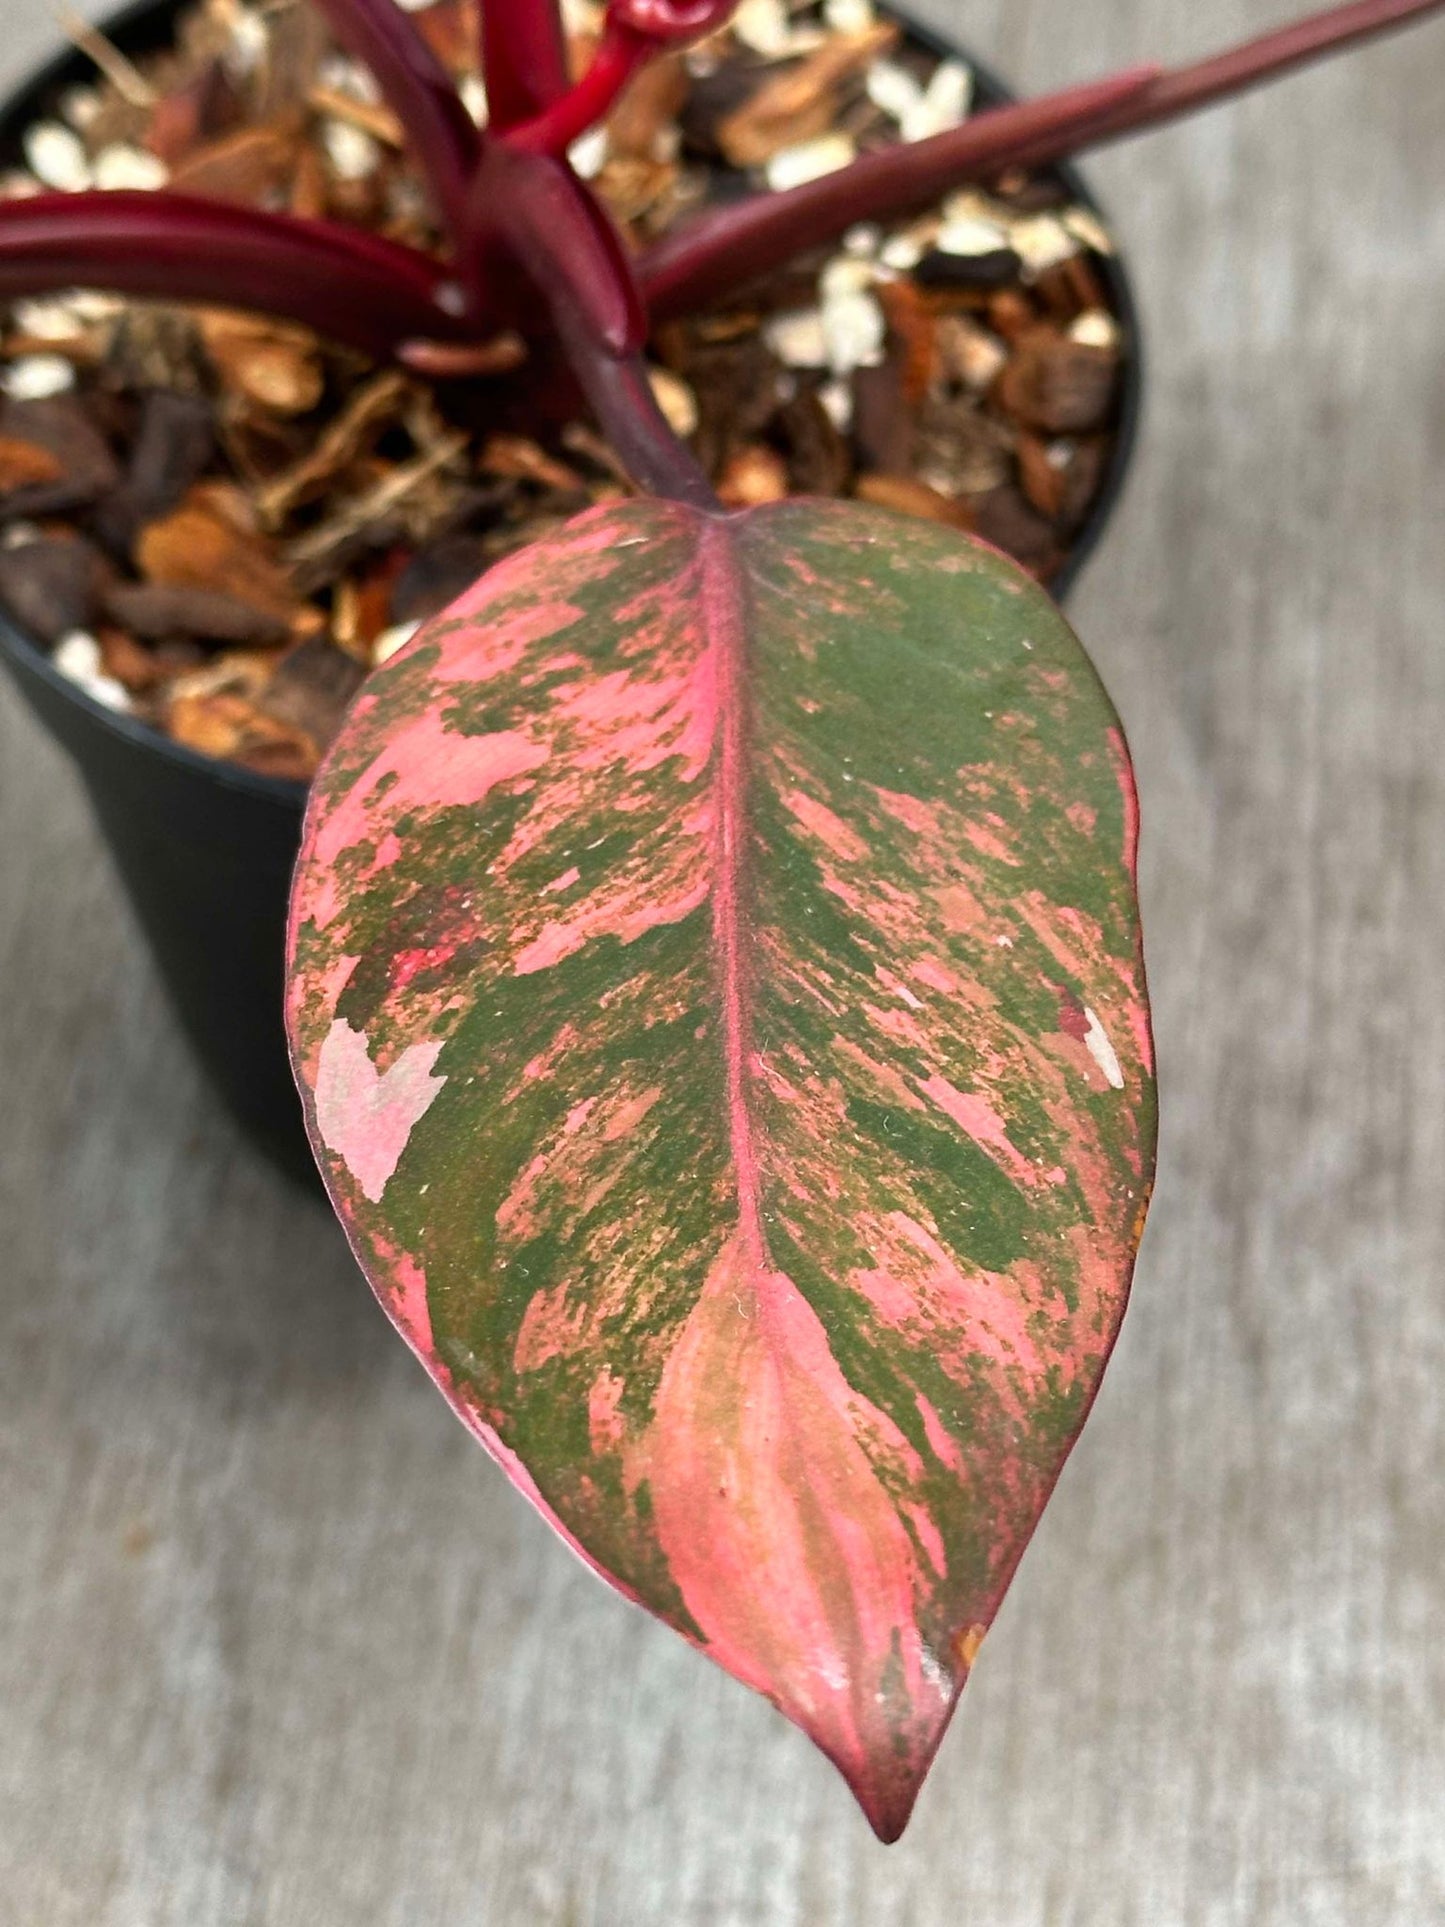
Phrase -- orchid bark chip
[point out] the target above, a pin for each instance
(717, 997)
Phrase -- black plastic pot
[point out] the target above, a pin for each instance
(204, 849)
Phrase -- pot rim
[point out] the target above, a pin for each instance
(141, 21)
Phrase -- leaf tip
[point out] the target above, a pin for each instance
(885, 1769)
(888, 1812)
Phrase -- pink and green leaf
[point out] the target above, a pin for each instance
(717, 997)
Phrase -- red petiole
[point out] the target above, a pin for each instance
(419, 91)
(634, 33)
(358, 288)
(721, 250)
(717, 251)
(621, 54)
(531, 244)
(524, 59)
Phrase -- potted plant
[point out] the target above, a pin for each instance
(714, 972)
(167, 806)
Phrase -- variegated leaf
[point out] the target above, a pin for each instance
(717, 996)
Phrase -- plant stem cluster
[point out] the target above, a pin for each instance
(530, 246)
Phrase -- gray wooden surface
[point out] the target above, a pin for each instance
(278, 1648)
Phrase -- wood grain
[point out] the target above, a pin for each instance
(278, 1649)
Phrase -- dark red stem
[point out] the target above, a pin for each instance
(1181, 90)
(439, 130)
(524, 59)
(565, 245)
(633, 32)
(506, 201)
(354, 287)
(620, 393)
(553, 131)
(701, 262)
(557, 238)
(720, 251)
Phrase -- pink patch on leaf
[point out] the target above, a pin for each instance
(825, 825)
(552, 1327)
(789, 1554)
(366, 1116)
(606, 1428)
(428, 765)
(919, 1287)
(976, 1116)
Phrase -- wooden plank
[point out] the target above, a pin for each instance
(276, 1646)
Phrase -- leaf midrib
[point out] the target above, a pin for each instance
(723, 601)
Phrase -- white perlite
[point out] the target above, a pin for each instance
(796, 337)
(352, 152)
(1095, 328)
(809, 161)
(343, 75)
(473, 90)
(77, 657)
(849, 16)
(249, 43)
(37, 377)
(854, 330)
(56, 157)
(944, 103)
(47, 318)
(122, 166)
(837, 399)
(589, 154)
(767, 27)
(1042, 242)
(390, 640)
(970, 236)
(675, 399)
(921, 111)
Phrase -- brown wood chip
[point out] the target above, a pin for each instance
(911, 497)
(802, 101)
(203, 107)
(311, 689)
(1059, 385)
(913, 327)
(436, 575)
(819, 460)
(523, 460)
(273, 366)
(248, 166)
(199, 545)
(166, 611)
(1011, 314)
(1041, 474)
(367, 412)
(370, 116)
(1004, 518)
(137, 669)
(52, 585)
(173, 444)
(754, 474)
(60, 427)
(648, 106)
(24, 463)
(231, 726)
